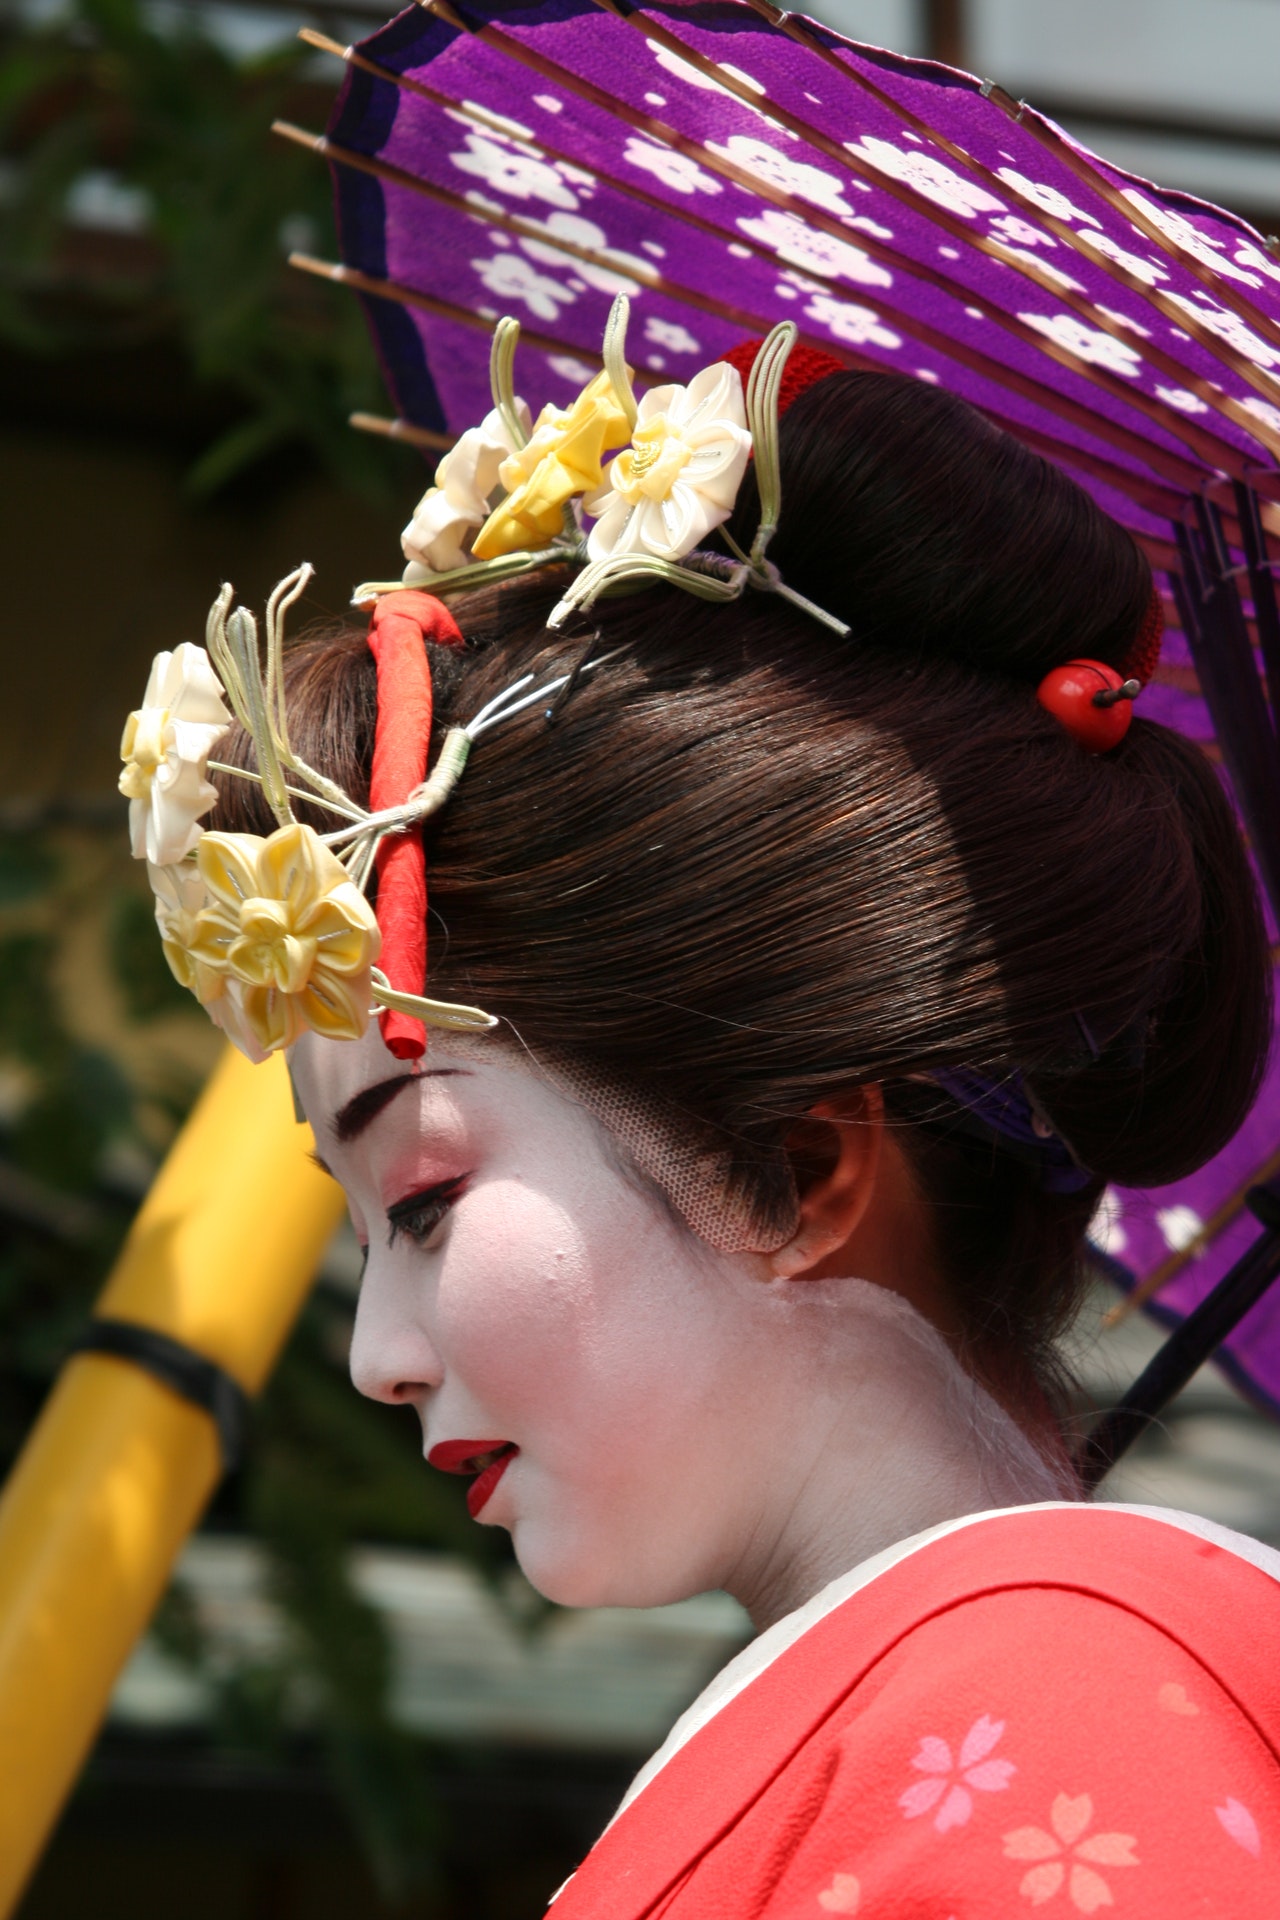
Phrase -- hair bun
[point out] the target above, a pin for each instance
(930, 531)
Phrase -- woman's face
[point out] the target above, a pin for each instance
(523, 1292)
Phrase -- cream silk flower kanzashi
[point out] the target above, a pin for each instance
(295, 935)
(438, 538)
(680, 476)
(166, 747)
(563, 458)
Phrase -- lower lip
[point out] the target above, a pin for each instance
(481, 1489)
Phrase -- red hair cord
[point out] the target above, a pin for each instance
(399, 627)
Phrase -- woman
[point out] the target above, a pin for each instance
(836, 980)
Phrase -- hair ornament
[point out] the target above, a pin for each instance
(515, 494)
(1004, 1111)
(399, 626)
(273, 934)
(1093, 701)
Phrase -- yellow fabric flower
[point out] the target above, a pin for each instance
(564, 457)
(286, 923)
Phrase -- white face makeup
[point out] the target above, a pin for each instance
(520, 1289)
(652, 1418)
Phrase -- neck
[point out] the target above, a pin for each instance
(881, 1433)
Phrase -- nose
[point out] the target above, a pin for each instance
(392, 1356)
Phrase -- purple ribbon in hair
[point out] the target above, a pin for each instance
(1003, 1109)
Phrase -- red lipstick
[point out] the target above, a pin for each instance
(487, 1459)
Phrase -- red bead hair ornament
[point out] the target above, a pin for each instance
(1093, 701)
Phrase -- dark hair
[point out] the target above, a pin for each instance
(753, 865)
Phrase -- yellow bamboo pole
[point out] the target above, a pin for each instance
(118, 1468)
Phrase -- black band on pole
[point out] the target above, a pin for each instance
(1191, 1344)
(205, 1384)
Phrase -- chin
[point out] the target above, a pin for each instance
(568, 1574)
(582, 1573)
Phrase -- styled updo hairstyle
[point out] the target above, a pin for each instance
(752, 865)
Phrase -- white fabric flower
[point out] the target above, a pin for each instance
(438, 538)
(680, 476)
(166, 747)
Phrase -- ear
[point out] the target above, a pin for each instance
(835, 1151)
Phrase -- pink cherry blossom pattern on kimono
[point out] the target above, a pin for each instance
(951, 1783)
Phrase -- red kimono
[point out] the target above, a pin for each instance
(1066, 1709)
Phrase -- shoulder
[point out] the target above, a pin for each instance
(1068, 1705)
(1185, 1577)
(1073, 1705)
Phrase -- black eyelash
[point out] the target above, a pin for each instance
(419, 1214)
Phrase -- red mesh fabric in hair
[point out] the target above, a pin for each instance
(1142, 658)
(804, 366)
(399, 627)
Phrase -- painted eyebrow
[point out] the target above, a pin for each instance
(364, 1107)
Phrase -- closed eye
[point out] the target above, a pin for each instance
(419, 1214)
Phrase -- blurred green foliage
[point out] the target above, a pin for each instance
(142, 97)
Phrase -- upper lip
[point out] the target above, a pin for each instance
(466, 1456)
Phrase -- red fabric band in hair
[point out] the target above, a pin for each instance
(400, 625)
(805, 366)
(1143, 656)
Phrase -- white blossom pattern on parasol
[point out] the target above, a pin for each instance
(680, 475)
(678, 171)
(928, 175)
(166, 747)
(512, 277)
(783, 172)
(855, 325)
(670, 334)
(788, 236)
(438, 538)
(521, 175)
(1087, 343)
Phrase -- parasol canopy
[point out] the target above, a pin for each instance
(728, 166)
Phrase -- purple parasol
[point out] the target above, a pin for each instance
(729, 166)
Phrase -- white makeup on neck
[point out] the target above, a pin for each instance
(680, 1420)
